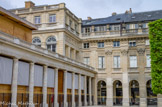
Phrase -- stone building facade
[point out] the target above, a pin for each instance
(116, 46)
(34, 76)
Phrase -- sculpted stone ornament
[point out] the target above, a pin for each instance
(108, 52)
(124, 52)
(141, 51)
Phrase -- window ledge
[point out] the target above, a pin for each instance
(101, 68)
(133, 67)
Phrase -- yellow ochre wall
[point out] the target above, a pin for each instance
(15, 29)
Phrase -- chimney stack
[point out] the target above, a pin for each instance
(114, 13)
(29, 4)
(89, 18)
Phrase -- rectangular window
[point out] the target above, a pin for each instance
(86, 45)
(86, 60)
(100, 44)
(127, 26)
(132, 43)
(76, 27)
(101, 62)
(144, 25)
(136, 26)
(37, 19)
(116, 61)
(148, 42)
(52, 18)
(148, 61)
(87, 30)
(133, 61)
(116, 43)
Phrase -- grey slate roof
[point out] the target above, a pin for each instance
(126, 18)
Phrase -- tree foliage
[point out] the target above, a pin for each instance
(155, 36)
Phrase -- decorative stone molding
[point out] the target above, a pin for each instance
(124, 52)
(108, 52)
(141, 51)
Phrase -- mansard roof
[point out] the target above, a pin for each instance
(125, 18)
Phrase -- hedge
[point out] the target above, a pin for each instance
(155, 36)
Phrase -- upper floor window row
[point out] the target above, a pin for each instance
(52, 19)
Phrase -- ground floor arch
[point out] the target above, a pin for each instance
(101, 92)
(117, 93)
(134, 92)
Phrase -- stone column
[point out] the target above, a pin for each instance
(14, 83)
(142, 81)
(31, 85)
(159, 96)
(56, 88)
(45, 87)
(109, 94)
(80, 101)
(125, 86)
(95, 90)
(143, 95)
(73, 89)
(85, 91)
(65, 89)
(90, 91)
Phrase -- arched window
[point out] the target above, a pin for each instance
(36, 41)
(51, 43)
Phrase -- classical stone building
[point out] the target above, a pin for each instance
(37, 77)
(116, 46)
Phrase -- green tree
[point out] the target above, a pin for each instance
(155, 36)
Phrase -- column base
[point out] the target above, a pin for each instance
(65, 104)
(45, 105)
(159, 102)
(125, 102)
(31, 105)
(56, 104)
(14, 105)
(73, 104)
(143, 102)
(80, 104)
(85, 103)
(90, 103)
(109, 102)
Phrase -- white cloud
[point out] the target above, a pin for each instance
(93, 8)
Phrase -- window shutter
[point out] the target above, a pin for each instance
(76, 81)
(148, 61)
(82, 82)
(38, 75)
(69, 82)
(135, 61)
(50, 77)
(6, 65)
(23, 73)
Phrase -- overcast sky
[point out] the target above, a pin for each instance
(93, 8)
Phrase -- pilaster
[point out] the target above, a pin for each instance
(73, 89)
(56, 89)
(45, 87)
(65, 89)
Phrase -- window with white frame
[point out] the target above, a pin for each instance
(148, 61)
(52, 18)
(51, 43)
(100, 44)
(70, 23)
(132, 43)
(136, 26)
(37, 20)
(116, 61)
(86, 45)
(86, 60)
(147, 42)
(101, 62)
(36, 41)
(116, 43)
(133, 61)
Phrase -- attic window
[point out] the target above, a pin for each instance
(118, 19)
(149, 15)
